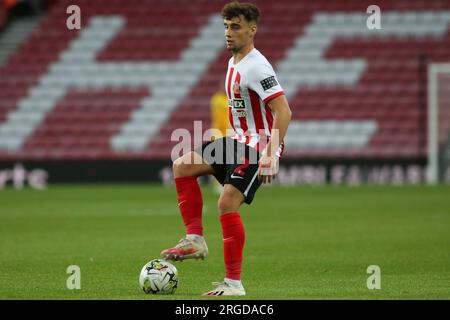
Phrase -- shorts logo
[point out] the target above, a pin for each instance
(238, 104)
(268, 83)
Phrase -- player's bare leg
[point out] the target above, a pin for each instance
(233, 243)
(191, 164)
(186, 169)
(230, 199)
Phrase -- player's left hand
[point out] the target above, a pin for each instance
(268, 168)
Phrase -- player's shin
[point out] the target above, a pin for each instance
(190, 202)
(233, 244)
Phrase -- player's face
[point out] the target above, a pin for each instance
(238, 33)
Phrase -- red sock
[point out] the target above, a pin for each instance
(233, 244)
(190, 203)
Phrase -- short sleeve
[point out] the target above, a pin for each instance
(263, 80)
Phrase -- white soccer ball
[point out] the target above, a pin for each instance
(159, 277)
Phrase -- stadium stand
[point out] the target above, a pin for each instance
(2, 17)
(4, 8)
(137, 71)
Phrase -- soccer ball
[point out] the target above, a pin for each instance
(159, 277)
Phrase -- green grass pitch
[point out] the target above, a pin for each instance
(301, 242)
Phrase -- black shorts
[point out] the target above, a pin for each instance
(234, 163)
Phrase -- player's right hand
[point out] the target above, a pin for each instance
(268, 168)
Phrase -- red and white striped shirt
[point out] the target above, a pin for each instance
(250, 84)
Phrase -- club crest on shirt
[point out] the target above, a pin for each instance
(236, 88)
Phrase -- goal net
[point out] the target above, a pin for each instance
(438, 123)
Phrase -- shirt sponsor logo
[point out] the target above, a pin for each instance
(238, 104)
(268, 83)
(240, 114)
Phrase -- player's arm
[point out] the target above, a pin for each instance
(282, 116)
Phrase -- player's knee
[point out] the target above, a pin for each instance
(180, 168)
(228, 202)
(224, 206)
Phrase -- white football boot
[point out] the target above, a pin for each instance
(225, 289)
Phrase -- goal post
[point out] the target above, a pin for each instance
(438, 149)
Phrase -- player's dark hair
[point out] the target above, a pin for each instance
(249, 11)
